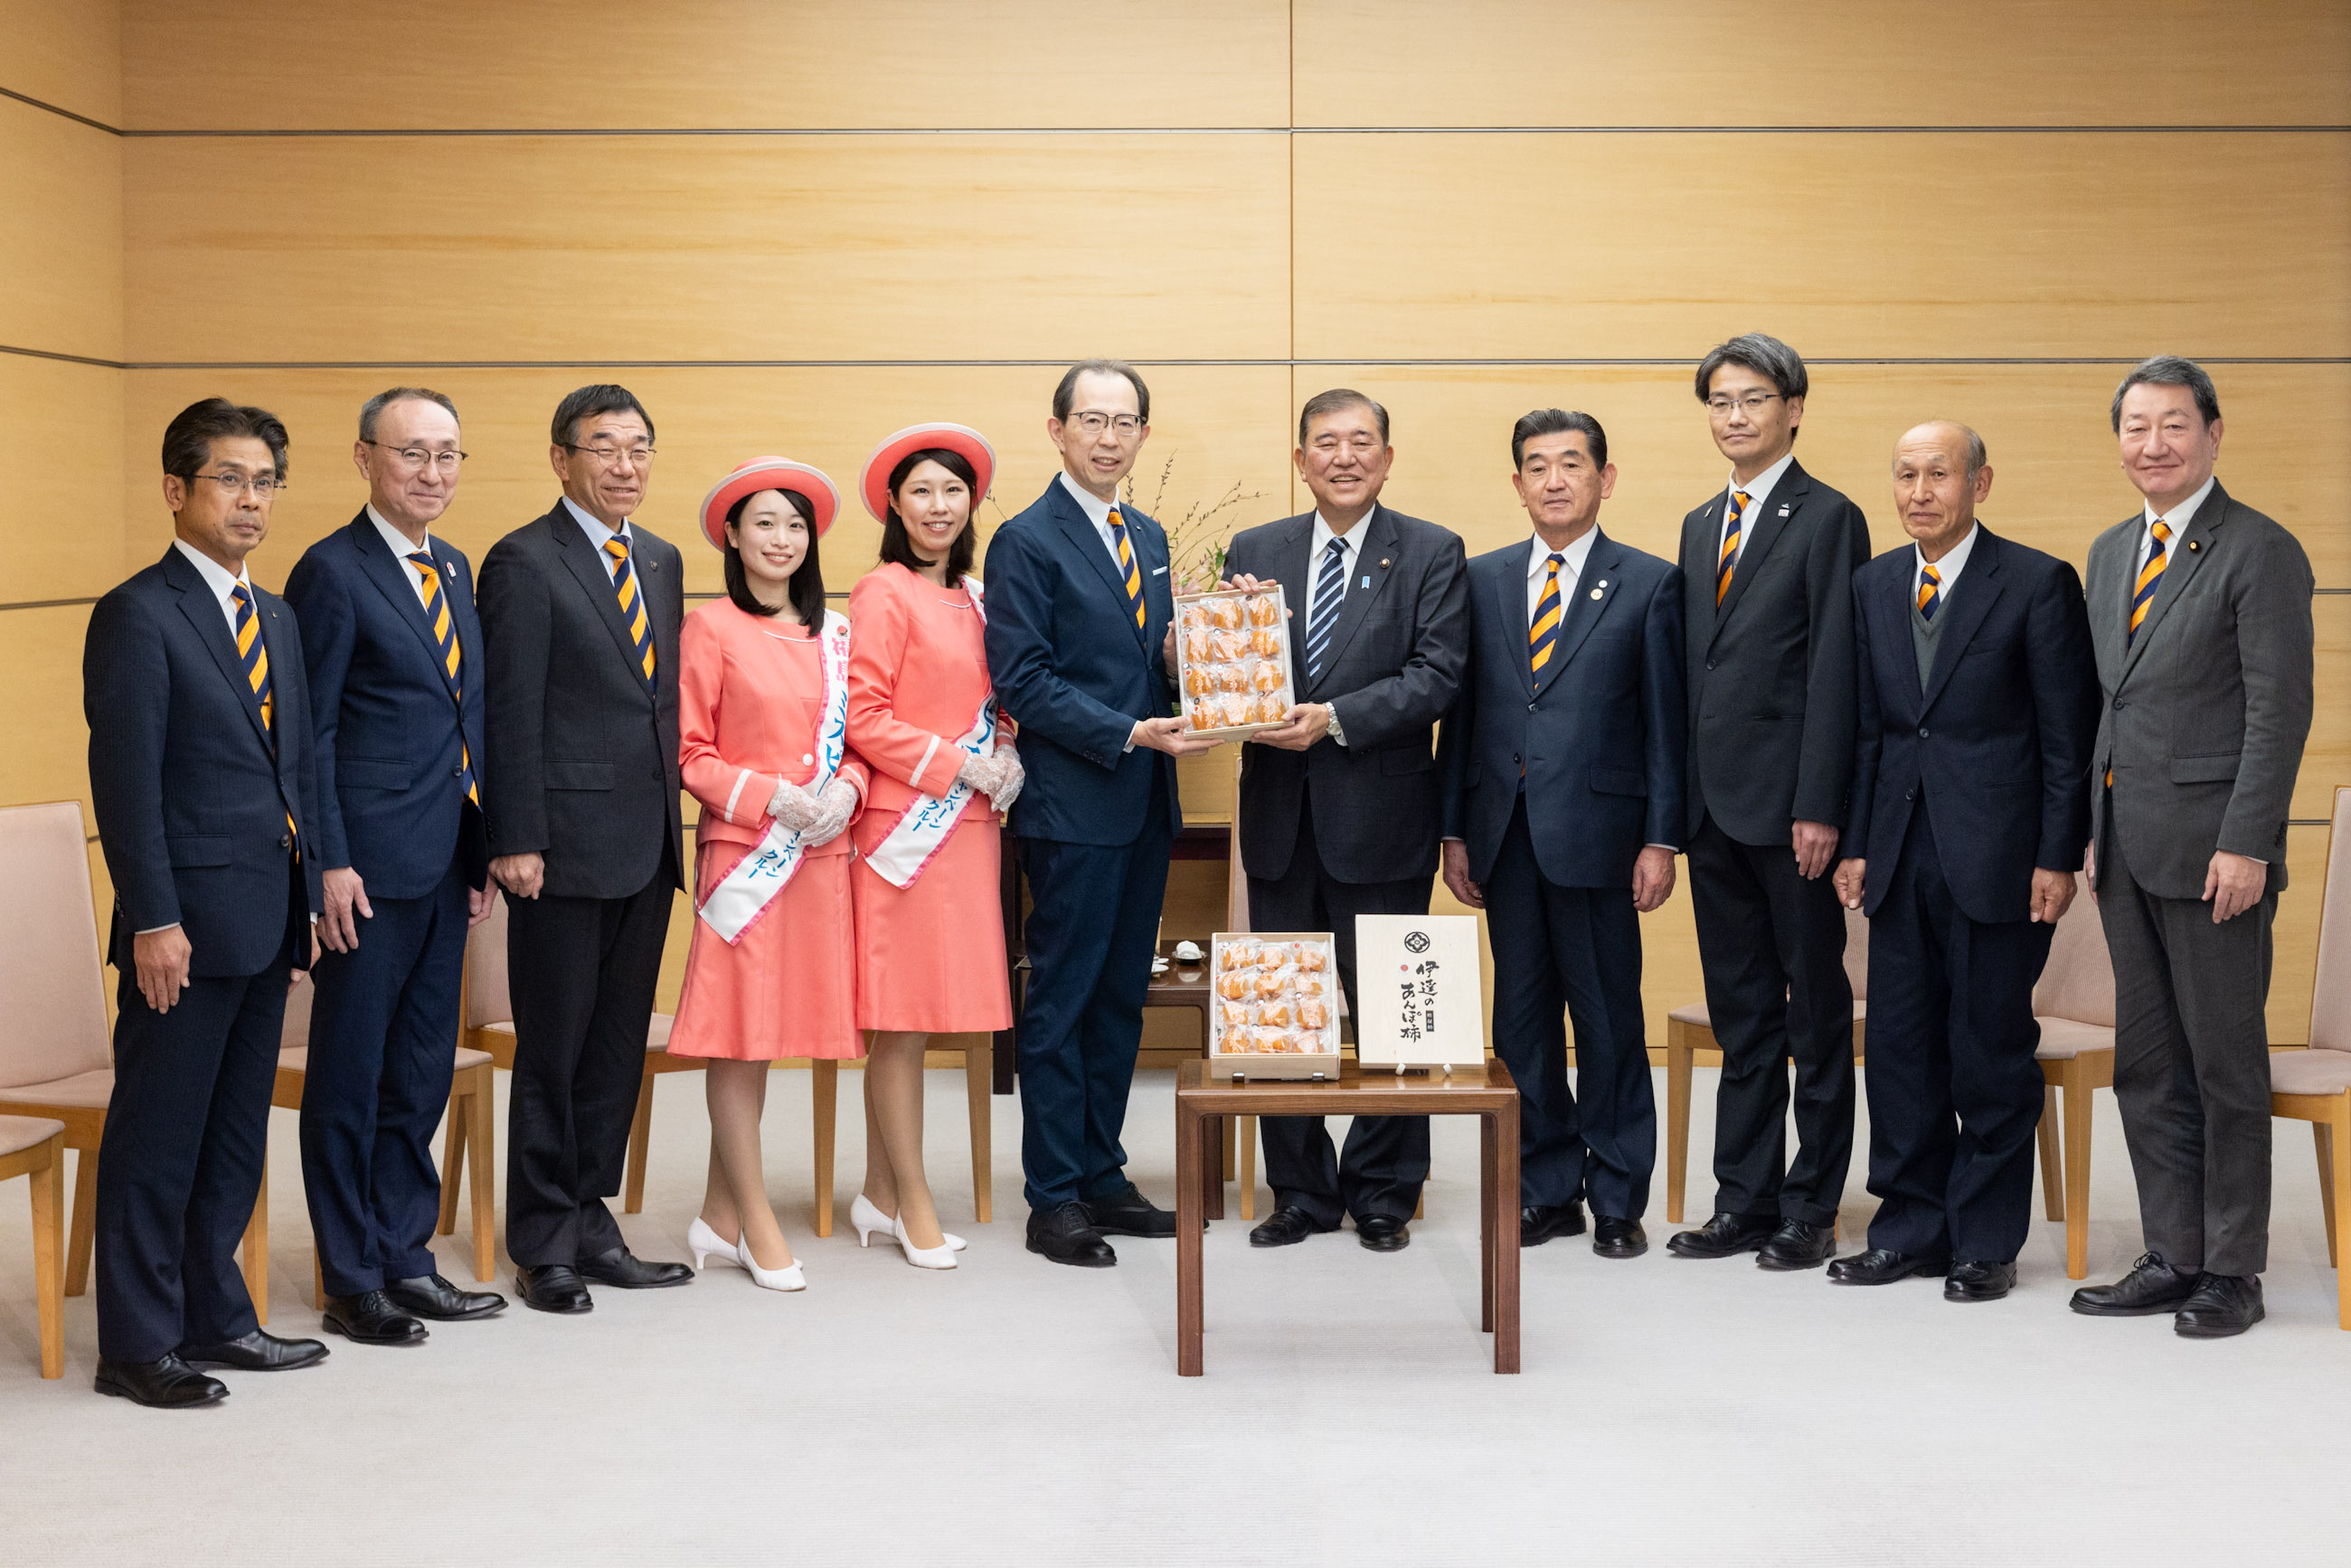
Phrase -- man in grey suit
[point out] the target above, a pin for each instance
(1338, 807)
(2200, 614)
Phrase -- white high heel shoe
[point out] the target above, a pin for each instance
(942, 1256)
(703, 1243)
(789, 1278)
(868, 1220)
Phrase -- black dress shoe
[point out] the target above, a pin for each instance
(1285, 1228)
(553, 1288)
(2223, 1304)
(1129, 1213)
(435, 1298)
(1382, 1233)
(259, 1351)
(1613, 1238)
(624, 1270)
(2152, 1286)
(1724, 1235)
(169, 1383)
(1066, 1234)
(1883, 1266)
(1797, 1245)
(1979, 1281)
(371, 1317)
(1538, 1222)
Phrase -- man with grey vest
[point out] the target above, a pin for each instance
(2200, 611)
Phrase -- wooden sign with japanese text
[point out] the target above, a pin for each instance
(1416, 976)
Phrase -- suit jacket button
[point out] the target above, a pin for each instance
(284, 841)
(1531, 707)
(1922, 732)
(457, 772)
(2118, 704)
(1710, 664)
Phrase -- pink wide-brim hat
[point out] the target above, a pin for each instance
(962, 439)
(768, 473)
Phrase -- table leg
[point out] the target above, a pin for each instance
(1212, 1166)
(1506, 1239)
(1488, 1222)
(1192, 1129)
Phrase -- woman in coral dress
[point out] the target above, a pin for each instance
(763, 743)
(921, 716)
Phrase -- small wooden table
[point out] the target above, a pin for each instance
(1203, 1106)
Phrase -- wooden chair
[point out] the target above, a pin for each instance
(35, 1146)
(1690, 1029)
(2074, 1005)
(2314, 1086)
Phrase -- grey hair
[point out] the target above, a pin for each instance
(1763, 354)
(374, 406)
(1067, 391)
(1977, 453)
(2169, 371)
(1334, 400)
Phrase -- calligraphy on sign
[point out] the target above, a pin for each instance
(1422, 1005)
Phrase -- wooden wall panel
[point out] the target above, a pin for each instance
(61, 516)
(719, 63)
(61, 245)
(47, 752)
(1826, 62)
(618, 248)
(1853, 245)
(67, 54)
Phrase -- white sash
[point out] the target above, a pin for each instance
(923, 828)
(738, 902)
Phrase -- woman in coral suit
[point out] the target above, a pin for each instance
(763, 742)
(921, 715)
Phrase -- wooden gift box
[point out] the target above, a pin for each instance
(1256, 632)
(1230, 1063)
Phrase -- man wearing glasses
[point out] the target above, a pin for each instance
(579, 620)
(394, 655)
(1078, 610)
(202, 782)
(1767, 583)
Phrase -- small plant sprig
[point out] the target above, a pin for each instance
(1197, 542)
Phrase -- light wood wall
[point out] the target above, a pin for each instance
(796, 228)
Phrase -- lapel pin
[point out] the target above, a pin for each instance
(1384, 564)
(2192, 544)
(1783, 511)
(1595, 593)
(451, 568)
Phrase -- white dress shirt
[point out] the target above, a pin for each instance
(1350, 548)
(401, 547)
(1571, 570)
(1947, 569)
(2177, 520)
(217, 579)
(1759, 490)
(598, 533)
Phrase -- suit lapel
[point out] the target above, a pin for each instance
(1967, 611)
(1761, 533)
(1510, 588)
(2186, 553)
(1295, 565)
(204, 614)
(1582, 610)
(396, 580)
(1080, 530)
(1374, 555)
(585, 563)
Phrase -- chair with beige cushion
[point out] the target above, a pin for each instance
(35, 1146)
(2074, 1005)
(1690, 1029)
(2314, 1086)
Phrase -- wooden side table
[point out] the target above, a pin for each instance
(1204, 1106)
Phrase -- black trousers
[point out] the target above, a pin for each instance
(187, 1132)
(1386, 1157)
(383, 1033)
(1955, 1092)
(2192, 1067)
(581, 972)
(1771, 945)
(1576, 949)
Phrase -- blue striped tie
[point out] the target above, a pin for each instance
(1330, 587)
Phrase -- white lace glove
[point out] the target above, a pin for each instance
(792, 806)
(979, 772)
(1010, 776)
(834, 808)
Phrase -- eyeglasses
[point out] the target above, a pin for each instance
(1752, 403)
(1094, 424)
(416, 457)
(263, 485)
(614, 456)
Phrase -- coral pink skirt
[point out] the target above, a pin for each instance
(930, 957)
(790, 987)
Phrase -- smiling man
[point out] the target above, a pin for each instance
(2199, 610)
(1338, 807)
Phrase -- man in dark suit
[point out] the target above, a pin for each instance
(394, 656)
(579, 620)
(1767, 585)
(1970, 805)
(1339, 807)
(202, 778)
(2200, 611)
(1561, 769)
(1078, 613)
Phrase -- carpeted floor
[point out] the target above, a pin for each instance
(1013, 1412)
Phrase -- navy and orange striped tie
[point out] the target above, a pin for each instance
(255, 656)
(2150, 575)
(1132, 573)
(1930, 592)
(1730, 556)
(632, 603)
(1542, 632)
(452, 662)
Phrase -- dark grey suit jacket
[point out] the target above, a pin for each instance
(583, 754)
(2207, 709)
(1394, 661)
(1772, 671)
